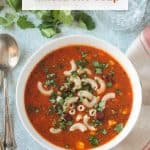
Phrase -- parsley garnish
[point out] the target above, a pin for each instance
(104, 131)
(99, 67)
(118, 127)
(24, 23)
(94, 141)
(109, 84)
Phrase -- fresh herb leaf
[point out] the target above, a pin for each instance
(118, 127)
(83, 54)
(51, 110)
(64, 16)
(50, 82)
(82, 63)
(51, 75)
(84, 75)
(111, 73)
(101, 106)
(24, 23)
(86, 86)
(99, 67)
(96, 123)
(85, 18)
(7, 21)
(118, 91)
(109, 84)
(94, 141)
(98, 64)
(16, 4)
(48, 32)
(59, 109)
(69, 123)
(62, 124)
(104, 131)
(74, 73)
(98, 70)
(53, 98)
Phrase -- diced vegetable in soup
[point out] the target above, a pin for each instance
(78, 97)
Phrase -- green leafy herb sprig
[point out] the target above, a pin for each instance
(50, 20)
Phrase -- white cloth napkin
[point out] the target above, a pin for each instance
(139, 54)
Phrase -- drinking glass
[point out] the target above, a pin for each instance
(125, 19)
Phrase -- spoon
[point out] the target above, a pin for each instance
(1, 145)
(9, 56)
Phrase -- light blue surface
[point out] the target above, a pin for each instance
(30, 41)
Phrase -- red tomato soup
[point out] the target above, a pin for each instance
(78, 97)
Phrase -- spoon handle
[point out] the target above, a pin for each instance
(9, 140)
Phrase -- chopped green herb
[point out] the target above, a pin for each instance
(86, 86)
(118, 91)
(94, 141)
(99, 67)
(61, 101)
(62, 124)
(69, 123)
(111, 73)
(98, 70)
(70, 95)
(82, 63)
(74, 73)
(50, 82)
(109, 84)
(64, 95)
(81, 99)
(84, 75)
(54, 95)
(51, 75)
(101, 106)
(96, 123)
(52, 100)
(96, 64)
(59, 109)
(51, 110)
(104, 131)
(68, 80)
(83, 54)
(118, 127)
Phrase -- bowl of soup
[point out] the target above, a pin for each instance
(79, 93)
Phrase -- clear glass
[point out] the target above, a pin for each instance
(124, 20)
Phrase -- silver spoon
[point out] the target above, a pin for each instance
(9, 56)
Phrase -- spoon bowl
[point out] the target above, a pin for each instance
(9, 52)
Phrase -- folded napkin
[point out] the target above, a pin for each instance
(139, 54)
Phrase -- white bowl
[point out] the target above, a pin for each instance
(80, 40)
